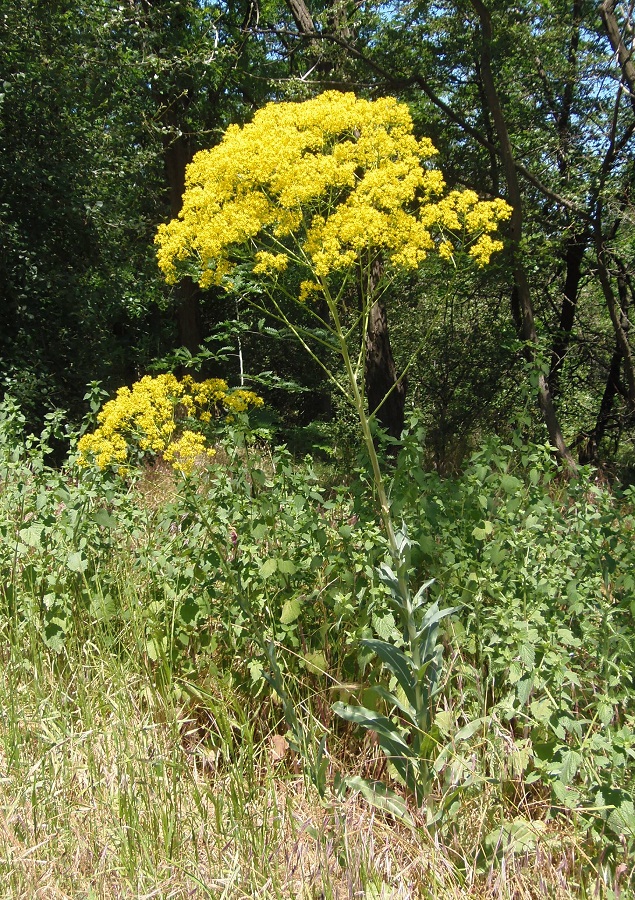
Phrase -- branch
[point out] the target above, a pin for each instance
(418, 80)
(623, 54)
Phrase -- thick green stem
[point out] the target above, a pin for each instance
(358, 401)
(409, 622)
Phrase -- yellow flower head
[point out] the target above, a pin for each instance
(319, 182)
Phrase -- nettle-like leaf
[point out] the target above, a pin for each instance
(290, 611)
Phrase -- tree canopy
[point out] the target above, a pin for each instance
(104, 106)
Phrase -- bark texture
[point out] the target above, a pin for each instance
(385, 392)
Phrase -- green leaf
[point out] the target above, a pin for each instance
(290, 611)
(102, 517)
(566, 795)
(398, 663)
(517, 836)
(32, 536)
(102, 607)
(287, 567)
(373, 721)
(380, 796)
(392, 700)
(622, 818)
(77, 562)
(268, 567)
(465, 733)
(384, 625)
(481, 533)
(434, 615)
(155, 648)
(510, 484)
(570, 764)
(541, 710)
(255, 670)
(54, 637)
(527, 653)
(524, 688)
(315, 662)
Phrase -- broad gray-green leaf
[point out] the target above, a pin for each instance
(404, 764)
(420, 596)
(390, 579)
(392, 700)
(398, 663)
(372, 721)
(381, 797)
(465, 733)
(434, 615)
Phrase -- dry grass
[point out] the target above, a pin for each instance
(107, 791)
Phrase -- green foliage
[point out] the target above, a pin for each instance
(545, 644)
(258, 576)
(254, 547)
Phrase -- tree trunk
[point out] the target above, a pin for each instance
(172, 104)
(178, 153)
(619, 320)
(591, 447)
(574, 254)
(524, 313)
(385, 393)
(301, 16)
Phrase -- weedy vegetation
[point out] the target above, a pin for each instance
(230, 672)
(216, 684)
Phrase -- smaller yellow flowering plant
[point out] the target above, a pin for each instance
(162, 416)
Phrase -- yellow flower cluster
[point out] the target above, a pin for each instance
(148, 417)
(462, 213)
(323, 180)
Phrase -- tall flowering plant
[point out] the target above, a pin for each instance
(314, 198)
(310, 196)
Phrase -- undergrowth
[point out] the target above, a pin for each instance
(154, 744)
